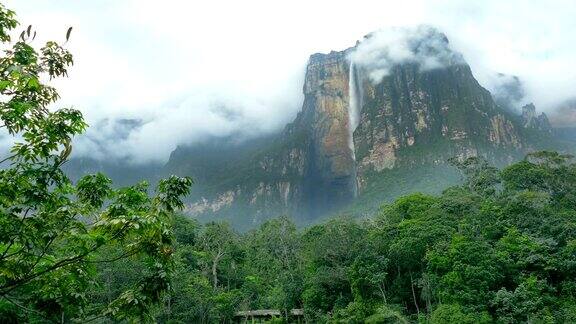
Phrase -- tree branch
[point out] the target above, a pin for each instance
(124, 255)
(26, 309)
(8, 158)
(14, 237)
(62, 263)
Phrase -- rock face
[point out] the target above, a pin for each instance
(533, 121)
(330, 172)
(359, 122)
(442, 107)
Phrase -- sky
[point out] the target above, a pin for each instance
(152, 75)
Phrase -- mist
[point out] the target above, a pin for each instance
(149, 76)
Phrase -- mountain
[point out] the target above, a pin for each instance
(376, 122)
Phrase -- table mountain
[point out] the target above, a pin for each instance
(378, 119)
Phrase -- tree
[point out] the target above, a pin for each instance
(454, 314)
(330, 250)
(548, 172)
(52, 232)
(369, 275)
(219, 242)
(273, 259)
(479, 176)
(467, 270)
(405, 231)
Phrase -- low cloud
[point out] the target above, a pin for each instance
(423, 45)
(508, 91)
(186, 121)
(565, 115)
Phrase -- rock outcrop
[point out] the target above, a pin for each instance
(533, 121)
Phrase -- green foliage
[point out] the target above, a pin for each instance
(494, 252)
(547, 172)
(386, 314)
(274, 263)
(490, 250)
(53, 234)
(330, 249)
(480, 176)
(454, 314)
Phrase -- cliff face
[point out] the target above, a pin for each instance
(410, 111)
(247, 182)
(354, 127)
(330, 172)
(306, 171)
(400, 117)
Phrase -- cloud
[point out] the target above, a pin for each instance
(187, 70)
(528, 39)
(565, 115)
(423, 45)
(187, 120)
(508, 91)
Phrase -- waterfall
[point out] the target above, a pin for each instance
(355, 99)
(354, 106)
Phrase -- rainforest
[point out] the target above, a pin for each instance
(403, 182)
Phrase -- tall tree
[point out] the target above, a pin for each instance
(273, 258)
(219, 242)
(52, 232)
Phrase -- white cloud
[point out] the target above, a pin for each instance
(385, 48)
(170, 63)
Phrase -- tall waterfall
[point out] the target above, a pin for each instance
(355, 99)
(355, 104)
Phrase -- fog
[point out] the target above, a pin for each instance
(150, 75)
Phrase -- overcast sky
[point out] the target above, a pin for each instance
(192, 69)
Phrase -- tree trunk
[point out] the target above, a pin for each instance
(414, 294)
(381, 287)
(215, 270)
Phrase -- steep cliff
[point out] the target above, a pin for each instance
(378, 119)
(330, 174)
(442, 107)
(531, 120)
(307, 170)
